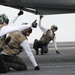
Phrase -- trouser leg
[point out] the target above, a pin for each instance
(41, 51)
(35, 46)
(15, 62)
(44, 49)
(37, 52)
(3, 66)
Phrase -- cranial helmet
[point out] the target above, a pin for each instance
(24, 23)
(29, 30)
(54, 27)
(4, 18)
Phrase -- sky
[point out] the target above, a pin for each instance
(64, 22)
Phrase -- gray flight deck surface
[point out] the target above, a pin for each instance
(51, 63)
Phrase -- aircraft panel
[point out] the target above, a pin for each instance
(42, 6)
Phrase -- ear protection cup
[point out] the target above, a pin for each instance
(1, 20)
(4, 18)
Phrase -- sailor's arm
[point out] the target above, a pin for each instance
(26, 47)
(40, 26)
(19, 14)
(54, 42)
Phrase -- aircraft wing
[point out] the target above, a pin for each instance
(43, 7)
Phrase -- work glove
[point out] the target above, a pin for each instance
(41, 16)
(57, 52)
(37, 68)
(20, 13)
(34, 24)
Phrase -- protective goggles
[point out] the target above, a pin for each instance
(30, 31)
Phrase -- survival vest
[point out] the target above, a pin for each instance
(46, 38)
(13, 47)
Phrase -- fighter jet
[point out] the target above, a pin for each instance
(42, 7)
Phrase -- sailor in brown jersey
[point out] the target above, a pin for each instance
(15, 43)
(4, 21)
(48, 35)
